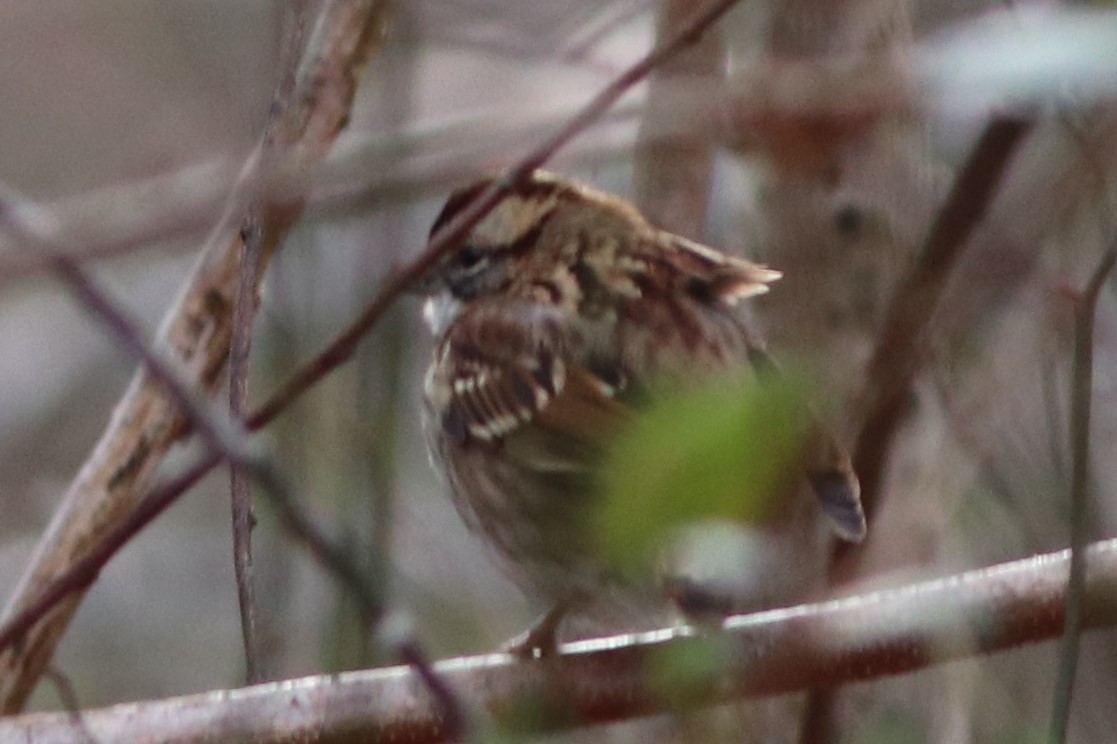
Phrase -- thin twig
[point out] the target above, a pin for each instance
(218, 431)
(70, 702)
(240, 485)
(146, 213)
(446, 697)
(292, 29)
(451, 235)
(337, 562)
(600, 680)
(1081, 395)
(82, 572)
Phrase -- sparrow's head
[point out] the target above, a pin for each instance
(485, 260)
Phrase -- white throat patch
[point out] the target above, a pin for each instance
(440, 310)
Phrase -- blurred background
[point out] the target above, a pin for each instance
(107, 97)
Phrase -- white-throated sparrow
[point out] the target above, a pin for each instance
(551, 319)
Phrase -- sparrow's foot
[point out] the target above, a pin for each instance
(539, 641)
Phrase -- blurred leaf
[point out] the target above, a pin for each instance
(522, 718)
(676, 668)
(718, 452)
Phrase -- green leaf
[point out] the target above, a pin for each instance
(724, 451)
(680, 673)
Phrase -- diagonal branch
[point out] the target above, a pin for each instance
(147, 420)
(33, 232)
(897, 355)
(610, 679)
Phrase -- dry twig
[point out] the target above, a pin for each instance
(295, 20)
(1081, 396)
(70, 703)
(240, 484)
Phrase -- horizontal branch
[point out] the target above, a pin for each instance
(608, 679)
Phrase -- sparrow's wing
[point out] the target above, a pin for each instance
(507, 376)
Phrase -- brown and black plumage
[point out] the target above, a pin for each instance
(552, 318)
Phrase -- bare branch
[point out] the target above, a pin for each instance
(82, 572)
(197, 329)
(761, 99)
(240, 484)
(608, 679)
(70, 702)
(33, 232)
(293, 31)
(1081, 397)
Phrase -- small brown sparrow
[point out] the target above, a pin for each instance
(551, 319)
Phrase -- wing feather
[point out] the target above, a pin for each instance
(503, 365)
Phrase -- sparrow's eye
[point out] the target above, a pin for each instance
(473, 272)
(470, 256)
